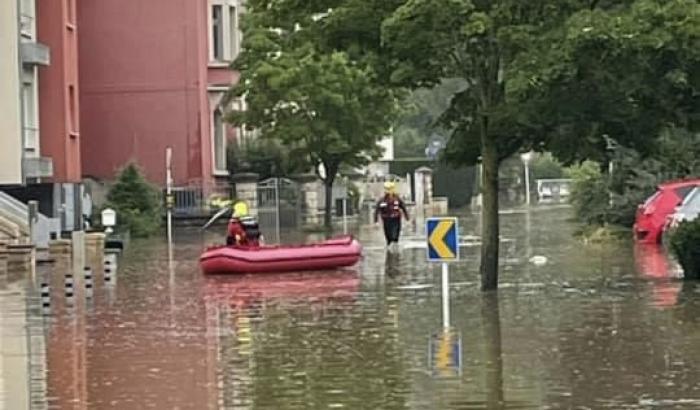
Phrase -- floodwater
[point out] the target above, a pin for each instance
(592, 327)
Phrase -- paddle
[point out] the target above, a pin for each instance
(215, 217)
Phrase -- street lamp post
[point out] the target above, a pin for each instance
(526, 158)
(610, 146)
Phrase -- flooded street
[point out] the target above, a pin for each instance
(576, 327)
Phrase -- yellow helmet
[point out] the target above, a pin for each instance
(240, 209)
(389, 186)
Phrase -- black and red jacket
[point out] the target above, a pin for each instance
(390, 207)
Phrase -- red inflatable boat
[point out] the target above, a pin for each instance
(333, 253)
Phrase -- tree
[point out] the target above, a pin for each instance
(478, 42)
(622, 72)
(265, 158)
(136, 202)
(419, 118)
(322, 106)
(564, 75)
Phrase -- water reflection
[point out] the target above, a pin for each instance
(653, 262)
(491, 322)
(391, 264)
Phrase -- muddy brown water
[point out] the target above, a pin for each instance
(593, 327)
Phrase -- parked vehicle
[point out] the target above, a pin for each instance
(652, 215)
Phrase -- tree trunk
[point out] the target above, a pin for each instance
(489, 216)
(327, 214)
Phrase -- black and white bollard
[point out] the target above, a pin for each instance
(45, 297)
(88, 282)
(108, 273)
(70, 291)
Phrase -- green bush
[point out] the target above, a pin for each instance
(545, 166)
(265, 157)
(136, 202)
(589, 193)
(685, 243)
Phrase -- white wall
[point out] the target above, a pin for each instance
(14, 356)
(388, 145)
(10, 114)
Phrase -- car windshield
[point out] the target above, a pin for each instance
(691, 205)
(683, 191)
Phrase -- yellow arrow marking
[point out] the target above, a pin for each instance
(437, 240)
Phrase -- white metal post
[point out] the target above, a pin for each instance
(345, 207)
(345, 216)
(527, 183)
(168, 193)
(445, 296)
(277, 208)
(611, 169)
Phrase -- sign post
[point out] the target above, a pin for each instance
(169, 195)
(443, 247)
(445, 353)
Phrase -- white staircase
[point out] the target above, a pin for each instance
(16, 213)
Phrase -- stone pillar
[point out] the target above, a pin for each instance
(310, 186)
(247, 190)
(78, 253)
(94, 243)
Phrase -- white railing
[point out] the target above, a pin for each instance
(18, 212)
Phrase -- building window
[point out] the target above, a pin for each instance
(217, 31)
(243, 134)
(233, 32)
(219, 136)
(225, 34)
(30, 113)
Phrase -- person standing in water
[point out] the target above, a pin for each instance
(391, 208)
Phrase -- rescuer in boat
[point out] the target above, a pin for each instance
(243, 230)
(390, 208)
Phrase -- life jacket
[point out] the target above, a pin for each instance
(390, 207)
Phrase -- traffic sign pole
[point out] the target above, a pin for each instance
(445, 296)
(443, 247)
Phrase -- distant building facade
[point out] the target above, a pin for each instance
(152, 76)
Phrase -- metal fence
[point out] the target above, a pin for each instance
(193, 201)
(279, 204)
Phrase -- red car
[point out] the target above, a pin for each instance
(652, 214)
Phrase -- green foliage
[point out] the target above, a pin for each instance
(324, 106)
(433, 40)
(136, 203)
(685, 243)
(419, 119)
(545, 166)
(635, 178)
(621, 70)
(267, 158)
(321, 107)
(589, 193)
